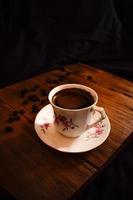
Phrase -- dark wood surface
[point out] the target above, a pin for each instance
(29, 169)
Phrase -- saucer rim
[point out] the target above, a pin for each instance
(66, 151)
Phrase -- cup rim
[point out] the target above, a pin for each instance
(72, 85)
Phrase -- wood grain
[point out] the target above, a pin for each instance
(102, 78)
(31, 170)
(119, 108)
(38, 86)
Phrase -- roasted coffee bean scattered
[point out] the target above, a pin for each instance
(35, 108)
(15, 113)
(43, 92)
(14, 116)
(49, 80)
(89, 77)
(33, 98)
(34, 88)
(8, 129)
(10, 120)
(56, 81)
(23, 93)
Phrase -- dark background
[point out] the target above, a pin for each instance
(36, 35)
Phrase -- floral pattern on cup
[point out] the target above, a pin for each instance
(67, 123)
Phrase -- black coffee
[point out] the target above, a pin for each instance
(73, 98)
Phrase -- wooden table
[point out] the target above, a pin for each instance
(29, 169)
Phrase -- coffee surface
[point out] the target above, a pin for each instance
(73, 98)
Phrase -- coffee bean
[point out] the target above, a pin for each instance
(43, 92)
(8, 129)
(35, 108)
(10, 120)
(49, 80)
(34, 88)
(14, 113)
(33, 98)
(89, 77)
(23, 93)
(13, 118)
(16, 118)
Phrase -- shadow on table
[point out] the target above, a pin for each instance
(115, 182)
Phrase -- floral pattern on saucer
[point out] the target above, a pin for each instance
(93, 132)
(96, 130)
(90, 139)
(45, 126)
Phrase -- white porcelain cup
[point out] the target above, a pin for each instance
(73, 122)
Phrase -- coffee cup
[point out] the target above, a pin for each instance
(74, 106)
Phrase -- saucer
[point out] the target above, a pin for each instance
(90, 139)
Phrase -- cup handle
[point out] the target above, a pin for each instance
(102, 113)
